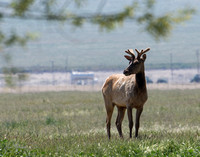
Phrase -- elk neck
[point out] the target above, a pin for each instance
(140, 80)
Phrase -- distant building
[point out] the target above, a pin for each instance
(83, 78)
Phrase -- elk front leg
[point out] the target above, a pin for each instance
(130, 119)
(137, 121)
(120, 117)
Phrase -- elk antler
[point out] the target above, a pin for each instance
(141, 52)
(130, 52)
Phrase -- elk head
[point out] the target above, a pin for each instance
(136, 64)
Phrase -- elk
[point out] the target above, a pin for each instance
(126, 91)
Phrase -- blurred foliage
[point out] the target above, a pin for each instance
(13, 38)
(110, 22)
(12, 76)
(161, 27)
(158, 27)
(21, 6)
(7, 40)
(78, 21)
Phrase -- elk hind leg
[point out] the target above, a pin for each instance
(109, 109)
(120, 117)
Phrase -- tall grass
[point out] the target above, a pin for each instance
(73, 124)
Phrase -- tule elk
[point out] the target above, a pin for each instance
(126, 91)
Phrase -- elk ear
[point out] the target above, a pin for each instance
(144, 56)
(128, 57)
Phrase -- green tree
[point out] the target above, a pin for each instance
(141, 12)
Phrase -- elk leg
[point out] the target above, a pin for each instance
(137, 121)
(109, 109)
(120, 117)
(130, 119)
(108, 120)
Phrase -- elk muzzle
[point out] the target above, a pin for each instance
(126, 72)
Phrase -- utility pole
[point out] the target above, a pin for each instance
(66, 67)
(66, 64)
(52, 71)
(197, 53)
(171, 65)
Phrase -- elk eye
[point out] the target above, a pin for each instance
(136, 63)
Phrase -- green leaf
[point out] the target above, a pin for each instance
(21, 6)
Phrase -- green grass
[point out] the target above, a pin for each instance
(73, 124)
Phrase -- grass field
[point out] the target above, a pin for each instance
(73, 124)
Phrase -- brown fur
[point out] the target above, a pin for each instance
(126, 92)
